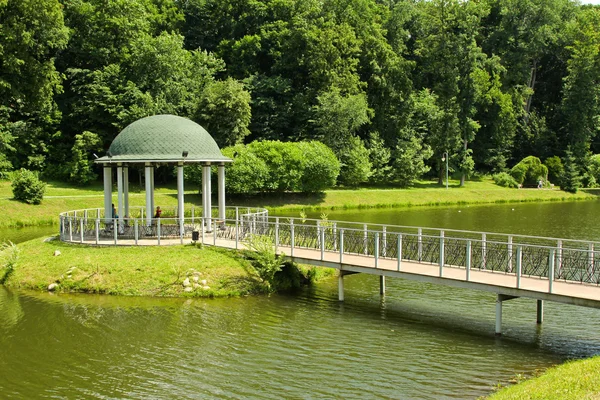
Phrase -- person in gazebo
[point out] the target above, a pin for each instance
(158, 212)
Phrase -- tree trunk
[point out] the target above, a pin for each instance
(531, 85)
(463, 174)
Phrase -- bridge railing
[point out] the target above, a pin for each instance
(515, 255)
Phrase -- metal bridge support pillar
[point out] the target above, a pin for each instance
(382, 285)
(499, 315)
(341, 286)
(540, 311)
(501, 298)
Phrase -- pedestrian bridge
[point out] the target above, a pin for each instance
(512, 266)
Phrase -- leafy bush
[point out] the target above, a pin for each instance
(27, 187)
(273, 166)
(320, 166)
(555, 168)
(247, 174)
(529, 171)
(284, 161)
(506, 180)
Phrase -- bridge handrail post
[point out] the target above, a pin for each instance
(158, 230)
(483, 251)
(334, 236)
(115, 229)
(80, 230)
(237, 229)
(550, 271)
(136, 230)
(590, 261)
(509, 250)
(366, 239)
(276, 234)
(341, 246)
(322, 243)
(559, 257)
(384, 242)
(519, 265)
(292, 238)
(420, 244)
(97, 226)
(214, 232)
(399, 250)
(468, 262)
(319, 234)
(376, 249)
(441, 253)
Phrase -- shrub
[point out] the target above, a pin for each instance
(505, 179)
(555, 168)
(247, 174)
(27, 187)
(529, 171)
(320, 167)
(273, 166)
(284, 161)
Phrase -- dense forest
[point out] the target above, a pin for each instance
(391, 86)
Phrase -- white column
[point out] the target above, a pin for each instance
(180, 208)
(206, 177)
(126, 191)
(221, 175)
(152, 206)
(120, 195)
(107, 194)
(204, 191)
(148, 179)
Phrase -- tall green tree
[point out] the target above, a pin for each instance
(580, 104)
(224, 111)
(452, 62)
(32, 32)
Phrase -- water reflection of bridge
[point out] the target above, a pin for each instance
(512, 266)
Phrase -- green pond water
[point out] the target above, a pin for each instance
(420, 341)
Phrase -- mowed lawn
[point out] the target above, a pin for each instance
(62, 197)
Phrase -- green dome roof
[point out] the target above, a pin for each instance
(163, 138)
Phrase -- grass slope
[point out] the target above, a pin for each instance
(134, 271)
(575, 380)
(63, 197)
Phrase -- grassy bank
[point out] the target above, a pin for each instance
(62, 197)
(134, 271)
(576, 380)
